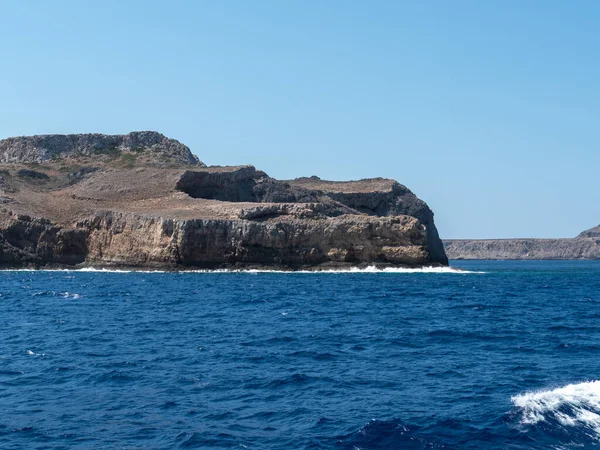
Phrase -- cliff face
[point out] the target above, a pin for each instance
(584, 246)
(86, 207)
(381, 197)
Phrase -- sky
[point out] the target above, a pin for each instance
(487, 110)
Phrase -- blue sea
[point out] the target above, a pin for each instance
(499, 355)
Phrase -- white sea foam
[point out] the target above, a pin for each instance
(574, 405)
(86, 269)
(102, 269)
(369, 269)
(57, 294)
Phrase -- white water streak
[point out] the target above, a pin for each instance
(369, 269)
(574, 405)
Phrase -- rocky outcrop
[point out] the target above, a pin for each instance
(289, 241)
(129, 240)
(235, 185)
(584, 246)
(591, 233)
(98, 212)
(25, 241)
(44, 148)
(381, 197)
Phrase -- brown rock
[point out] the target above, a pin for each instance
(165, 210)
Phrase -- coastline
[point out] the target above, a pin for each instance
(232, 268)
(586, 246)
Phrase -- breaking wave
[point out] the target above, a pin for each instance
(569, 413)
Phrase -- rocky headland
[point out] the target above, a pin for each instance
(143, 200)
(584, 246)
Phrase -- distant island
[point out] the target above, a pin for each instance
(584, 246)
(143, 200)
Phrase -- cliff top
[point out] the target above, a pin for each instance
(365, 185)
(66, 177)
(143, 146)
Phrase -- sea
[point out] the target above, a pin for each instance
(483, 355)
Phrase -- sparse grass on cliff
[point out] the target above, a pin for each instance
(128, 160)
(112, 151)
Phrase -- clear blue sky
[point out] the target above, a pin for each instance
(488, 110)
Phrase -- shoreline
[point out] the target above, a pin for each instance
(250, 268)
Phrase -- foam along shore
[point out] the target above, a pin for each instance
(351, 270)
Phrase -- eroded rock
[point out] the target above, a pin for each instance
(45, 148)
(168, 211)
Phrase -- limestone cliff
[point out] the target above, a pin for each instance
(44, 148)
(584, 246)
(144, 201)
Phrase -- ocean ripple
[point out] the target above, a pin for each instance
(419, 359)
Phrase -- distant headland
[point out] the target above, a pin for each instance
(143, 200)
(585, 246)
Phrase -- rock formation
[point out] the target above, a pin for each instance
(591, 233)
(145, 201)
(39, 149)
(584, 246)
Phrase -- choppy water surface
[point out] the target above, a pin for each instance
(507, 358)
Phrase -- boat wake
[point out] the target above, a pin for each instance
(570, 413)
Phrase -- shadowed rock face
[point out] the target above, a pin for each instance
(164, 209)
(381, 197)
(584, 246)
(228, 186)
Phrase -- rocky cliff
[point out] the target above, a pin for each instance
(584, 246)
(143, 200)
(39, 149)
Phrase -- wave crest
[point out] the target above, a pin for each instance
(573, 410)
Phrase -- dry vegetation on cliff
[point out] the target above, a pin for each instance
(143, 200)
